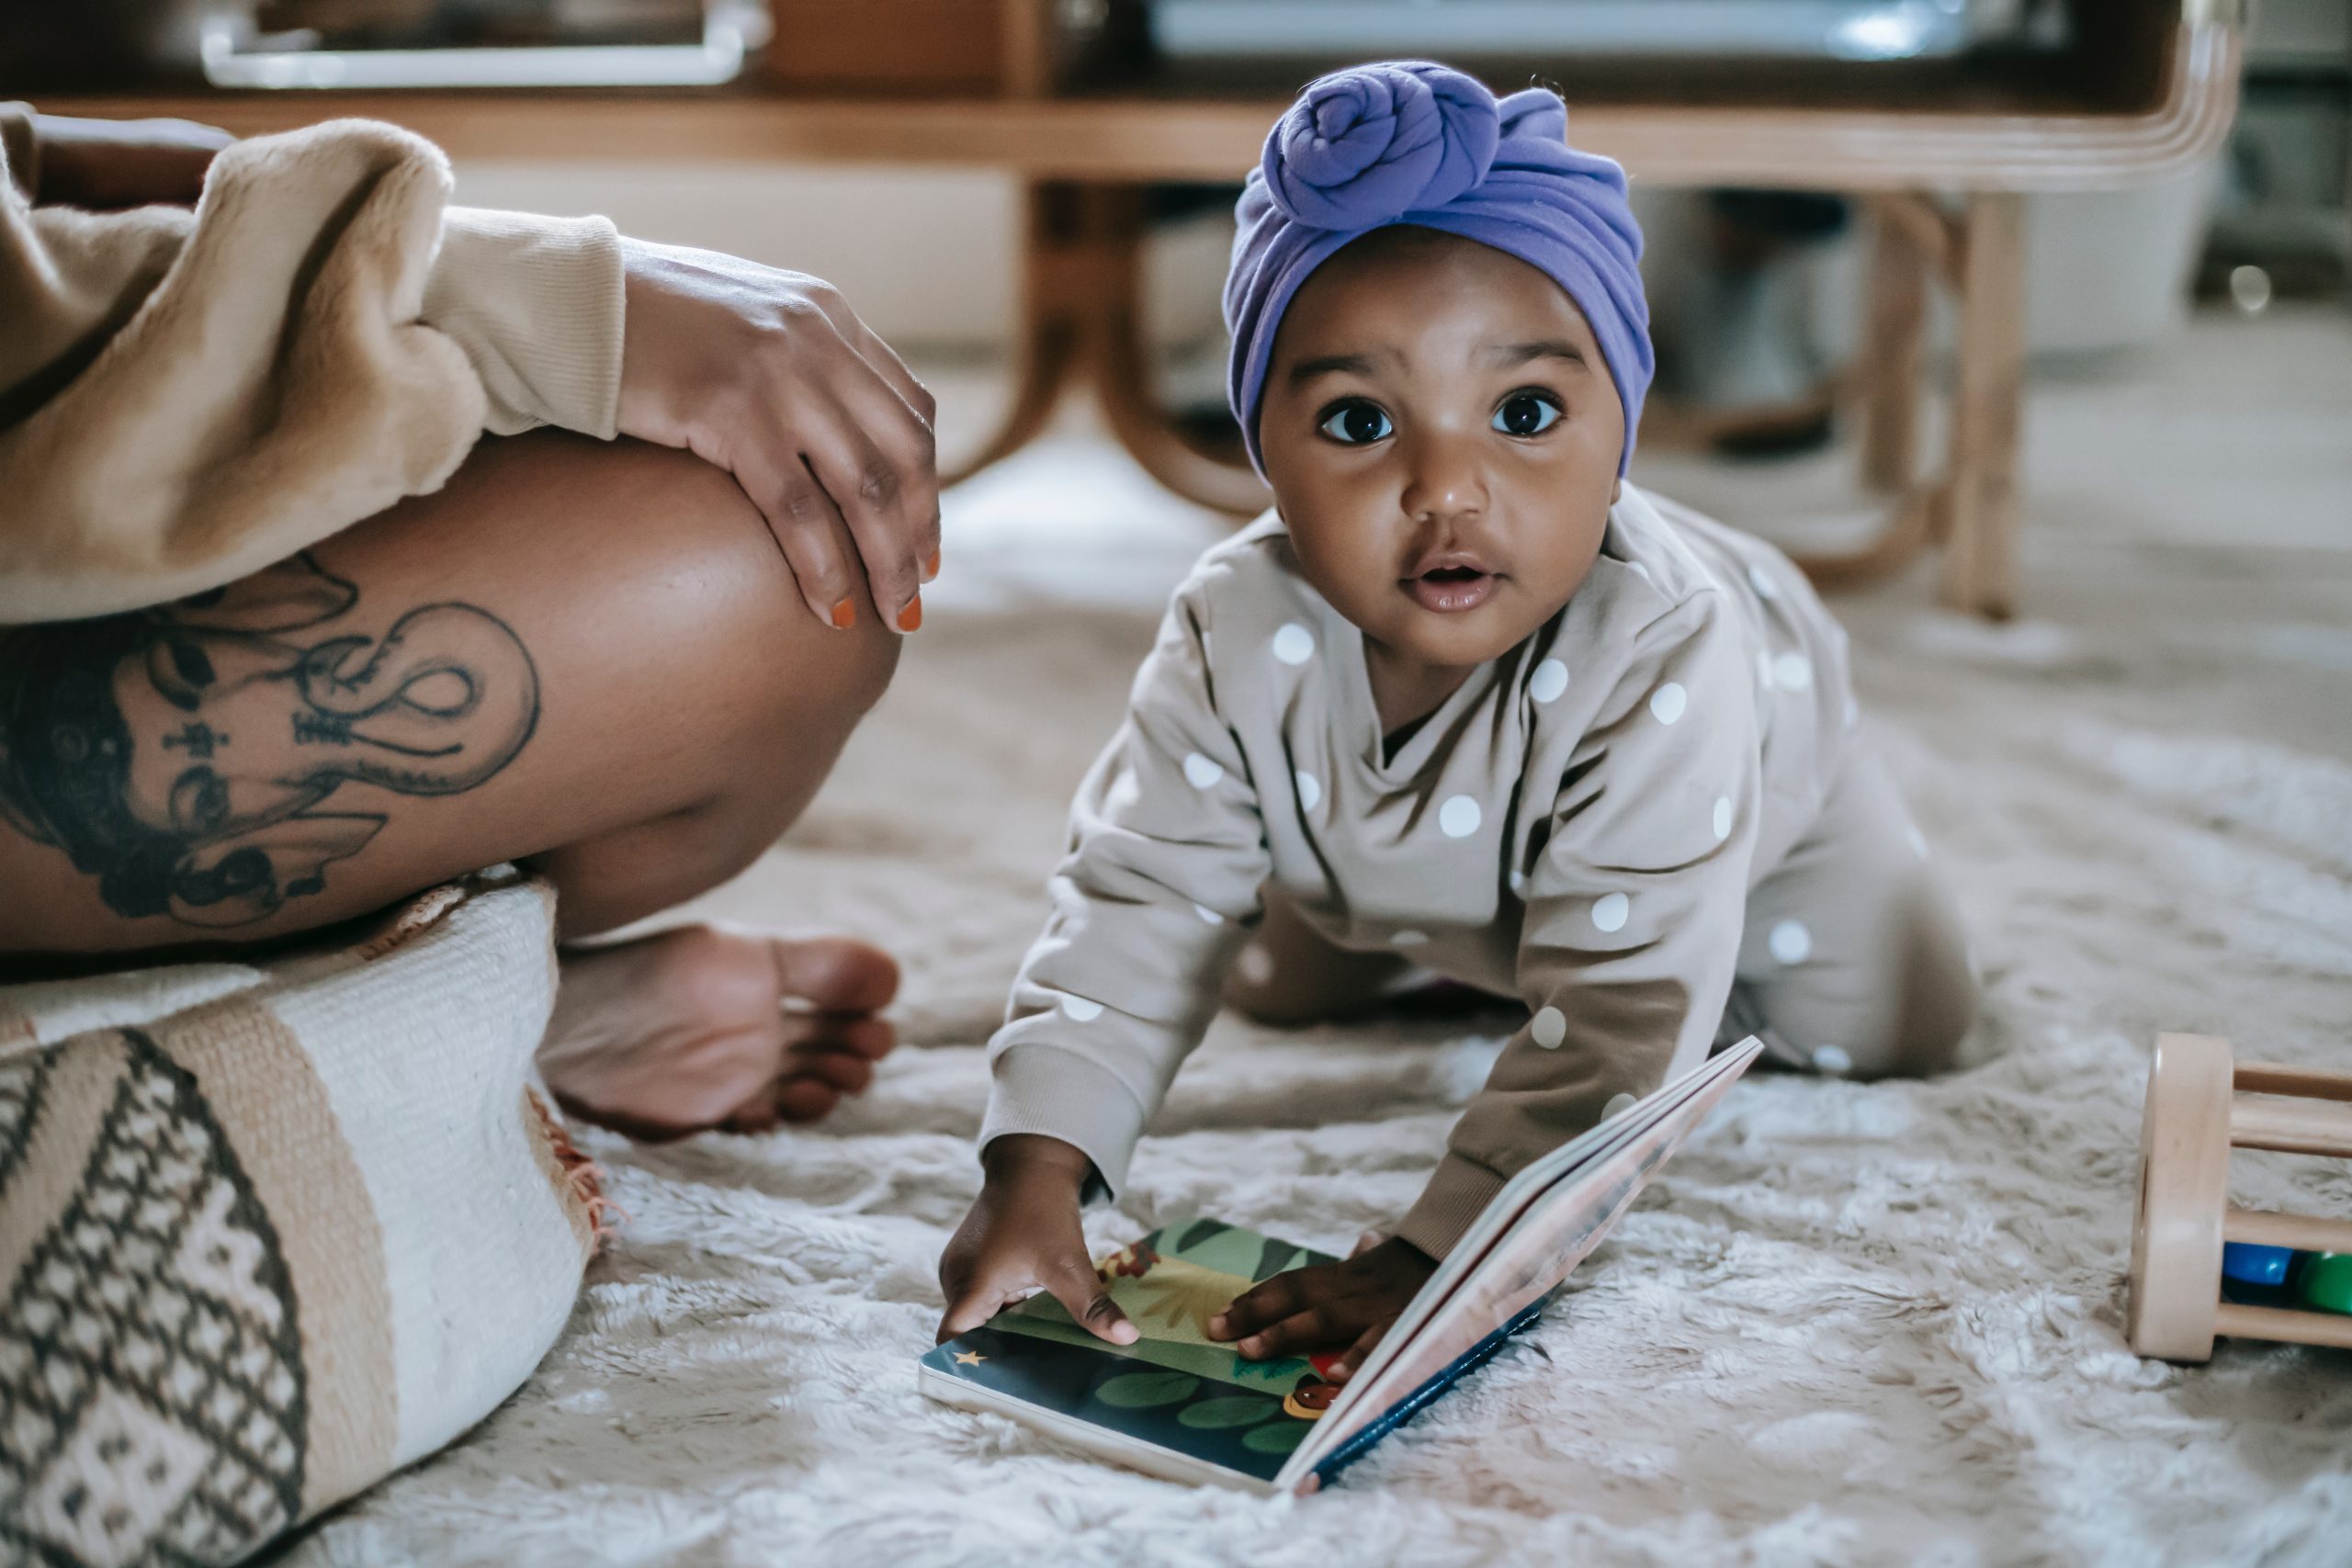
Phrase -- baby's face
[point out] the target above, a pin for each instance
(1442, 436)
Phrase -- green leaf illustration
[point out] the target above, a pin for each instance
(1143, 1391)
(1239, 1411)
(1275, 1437)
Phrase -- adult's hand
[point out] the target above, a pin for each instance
(771, 376)
(109, 164)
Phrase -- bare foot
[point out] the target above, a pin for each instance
(697, 1028)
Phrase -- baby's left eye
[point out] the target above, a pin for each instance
(1526, 413)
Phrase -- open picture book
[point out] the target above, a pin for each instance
(1180, 1404)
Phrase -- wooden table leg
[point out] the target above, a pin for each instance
(1082, 317)
(1892, 354)
(1121, 365)
(1051, 334)
(1988, 406)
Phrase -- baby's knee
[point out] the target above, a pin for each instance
(1934, 1002)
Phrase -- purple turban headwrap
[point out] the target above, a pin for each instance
(1412, 142)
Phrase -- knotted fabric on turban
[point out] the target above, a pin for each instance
(1412, 142)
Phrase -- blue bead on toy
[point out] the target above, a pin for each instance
(2256, 1264)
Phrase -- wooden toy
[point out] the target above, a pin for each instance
(2201, 1105)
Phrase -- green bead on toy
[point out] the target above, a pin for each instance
(2325, 1281)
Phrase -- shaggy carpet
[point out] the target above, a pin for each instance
(1850, 1324)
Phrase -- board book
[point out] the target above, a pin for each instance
(1178, 1403)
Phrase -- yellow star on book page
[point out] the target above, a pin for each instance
(969, 1358)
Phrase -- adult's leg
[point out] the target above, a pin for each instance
(1853, 960)
(586, 657)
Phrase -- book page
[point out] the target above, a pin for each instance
(1548, 1231)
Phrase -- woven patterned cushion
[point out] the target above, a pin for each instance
(269, 1232)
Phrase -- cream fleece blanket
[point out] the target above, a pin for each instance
(187, 397)
(1849, 1324)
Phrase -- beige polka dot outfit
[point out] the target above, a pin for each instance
(1653, 822)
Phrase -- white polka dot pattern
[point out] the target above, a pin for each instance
(1081, 1008)
(1548, 1028)
(1917, 839)
(1762, 581)
(1790, 942)
(1617, 1105)
(1411, 938)
(1551, 678)
(1294, 644)
(1459, 816)
(1792, 671)
(1610, 911)
(1833, 1059)
(1202, 773)
(1310, 790)
(1723, 818)
(1668, 702)
(1256, 966)
(1208, 917)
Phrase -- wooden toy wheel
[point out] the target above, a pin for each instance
(2176, 1286)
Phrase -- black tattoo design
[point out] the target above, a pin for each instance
(178, 754)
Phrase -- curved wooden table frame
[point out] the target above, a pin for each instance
(1086, 161)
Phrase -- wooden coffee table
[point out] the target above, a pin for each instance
(1945, 179)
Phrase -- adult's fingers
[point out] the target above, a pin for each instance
(876, 463)
(816, 542)
(1079, 1290)
(923, 501)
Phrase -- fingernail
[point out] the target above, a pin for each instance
(931, 568)
(845, 615)
(910, 618)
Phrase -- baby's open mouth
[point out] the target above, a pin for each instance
(1451, 589)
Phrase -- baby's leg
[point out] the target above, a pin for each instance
(1292, 974)
(1853, 960)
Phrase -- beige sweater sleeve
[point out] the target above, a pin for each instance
(1634, 912)
(188, 397)
(1158, 892)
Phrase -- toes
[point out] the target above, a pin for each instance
(836, 974)
(804, 1100)
(844, 1071)
(807, 1034)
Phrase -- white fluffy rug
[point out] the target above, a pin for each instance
(1849, 1324)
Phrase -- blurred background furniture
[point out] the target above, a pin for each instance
(1943, 115)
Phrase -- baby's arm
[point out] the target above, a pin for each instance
(1159, 890)
(1634, 909)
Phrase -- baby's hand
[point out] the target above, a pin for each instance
(1023, 1234)
(1327, 1305)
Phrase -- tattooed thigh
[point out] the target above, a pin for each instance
(211, 759)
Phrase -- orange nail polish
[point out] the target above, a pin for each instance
(845, 615)
(932, 569)
(910, 618)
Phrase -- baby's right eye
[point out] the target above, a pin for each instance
(1356, 422)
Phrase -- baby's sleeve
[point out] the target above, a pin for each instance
(1159, 889)
(1633, 912)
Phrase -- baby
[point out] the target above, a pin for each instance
(1464, 699)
